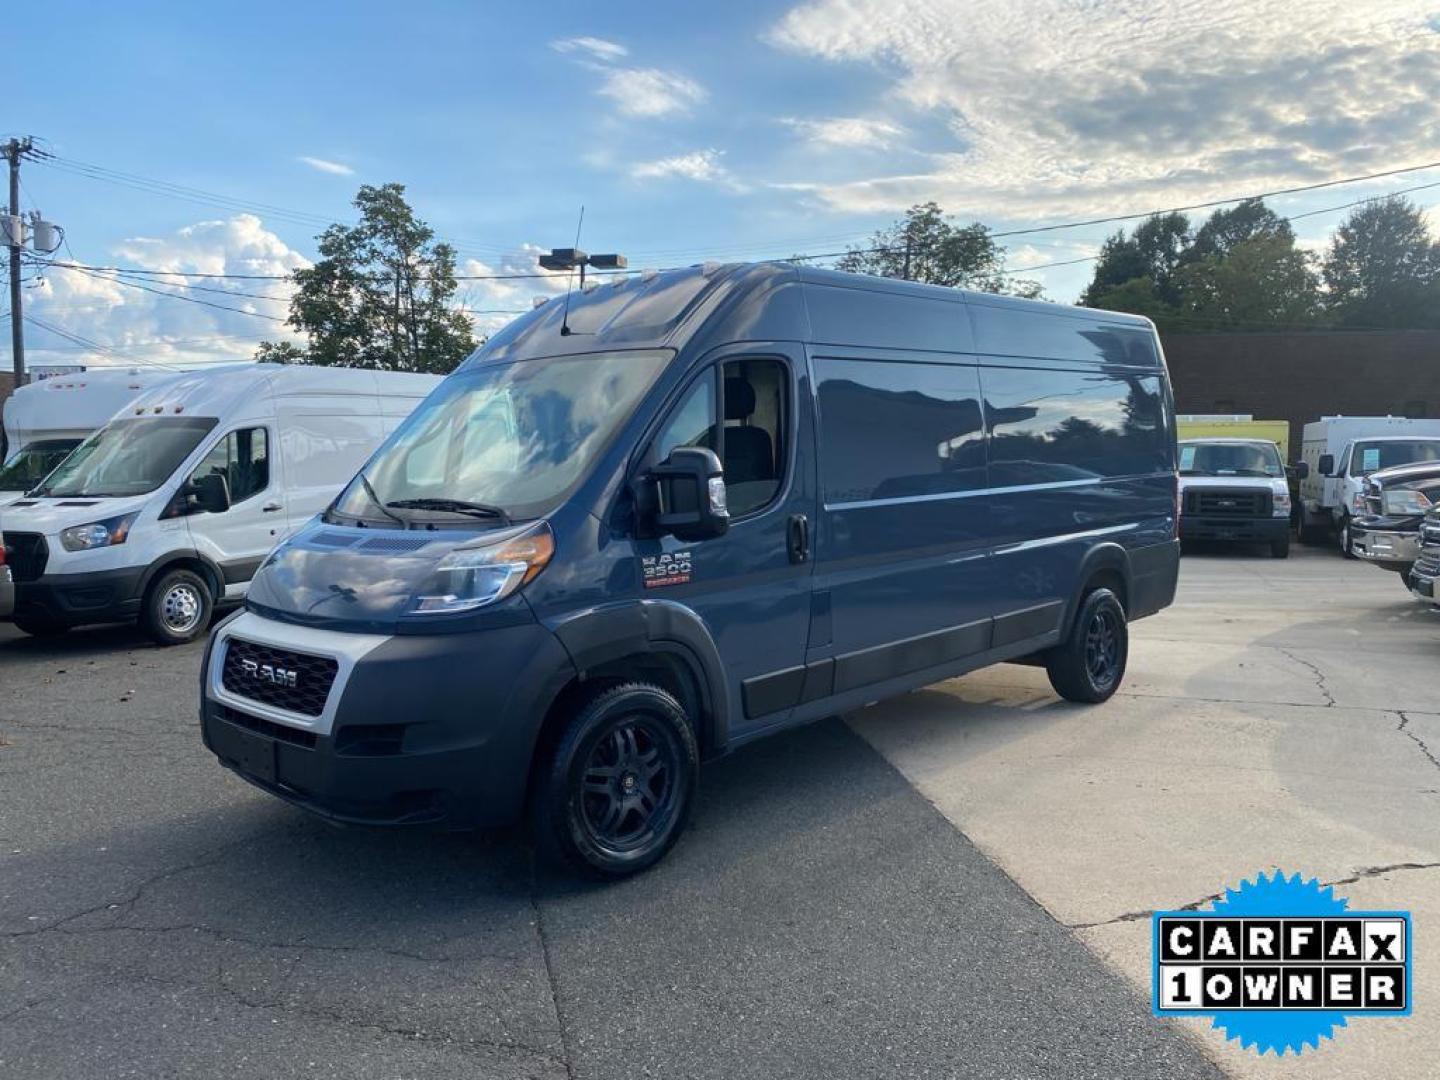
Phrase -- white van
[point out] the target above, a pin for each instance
(44, 421)
(1339, 452)
(169, 508)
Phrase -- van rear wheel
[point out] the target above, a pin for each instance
(617, 789)
(1089, 665)
(177, 608)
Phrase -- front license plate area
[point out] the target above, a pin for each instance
(253, 754)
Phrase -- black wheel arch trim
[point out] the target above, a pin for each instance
(175, 556)
(1108, 556)
(610, 632)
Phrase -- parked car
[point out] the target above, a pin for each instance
(1426, 570)
(1396, 501)
(168, 509)
(45, 420)
(1234, 490)
(1339, 452)
(689, 510)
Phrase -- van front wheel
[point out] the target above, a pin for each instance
(1090, 663)
(177, 608)
(618, 788)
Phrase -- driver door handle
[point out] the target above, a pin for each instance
(271, 507)
(797, 536)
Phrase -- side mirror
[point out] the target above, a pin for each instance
(1327, 465)
(212, 493)
(1302, 470)
(691, 486)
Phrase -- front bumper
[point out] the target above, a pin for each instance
(1251, 530)
(416, 729)
(1422, 579)
(1391, 548)
(7, 593)
(76, 599)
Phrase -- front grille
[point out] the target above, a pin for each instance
(1218, 502)
(26, 554)
(262, 673)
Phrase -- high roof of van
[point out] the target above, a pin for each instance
(718, 303)
(215, 390)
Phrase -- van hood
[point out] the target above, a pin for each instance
(50, 515)
(354, 577)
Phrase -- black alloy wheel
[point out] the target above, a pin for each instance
(615, 790)
(1102, 648)
(1089, 665)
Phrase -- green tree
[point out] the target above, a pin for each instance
(1383, 268)
(925, 246)
(380, 295)
(1154, 251)
(1261, 281)
(1228, 228)
(1138, 295)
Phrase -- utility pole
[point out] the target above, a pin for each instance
(14, 150)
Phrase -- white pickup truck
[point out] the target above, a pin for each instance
(1338, 452)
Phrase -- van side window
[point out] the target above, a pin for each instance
(753, 441)
(892, 430)
(242, 457)
(1056, 426)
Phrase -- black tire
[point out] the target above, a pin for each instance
(41, 627)
(594, 806)
(1307, 531)
(1280, 549)
(1089, 665)
(1342, 536)
(177, 608)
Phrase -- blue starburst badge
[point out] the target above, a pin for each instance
(1280, 963)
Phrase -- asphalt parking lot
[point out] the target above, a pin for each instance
(951, 884)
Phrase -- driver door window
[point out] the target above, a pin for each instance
(751, 443)
(242, 457)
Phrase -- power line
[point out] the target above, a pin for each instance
(178, 296)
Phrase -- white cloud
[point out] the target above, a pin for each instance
(650, 91)
(599, 48)
(848, 131)
(497, 299)
(1080, 107)
(335, 168)
(143, 327)
(700, 165)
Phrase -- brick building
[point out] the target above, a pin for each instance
(1301, 376)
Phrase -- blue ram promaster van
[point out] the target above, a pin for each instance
(678, 512)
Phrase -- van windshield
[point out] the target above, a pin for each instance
(127, 457)
(1374, 456)
(501, 441)
(34, 462)
(1230, 459)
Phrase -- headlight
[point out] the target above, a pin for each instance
(1280, 504)
(471, 577)
(1404, 503)
(97, 534)
(1357, 503)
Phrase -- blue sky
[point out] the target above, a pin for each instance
(742, 129)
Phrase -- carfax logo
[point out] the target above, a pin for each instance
(1279, 963)
(672, 568)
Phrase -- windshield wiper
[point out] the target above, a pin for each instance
(365, 482)
(453, 506)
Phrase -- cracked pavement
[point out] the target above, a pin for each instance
(1280, 716)
(160, 918)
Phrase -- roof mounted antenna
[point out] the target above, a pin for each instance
(573, 259)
